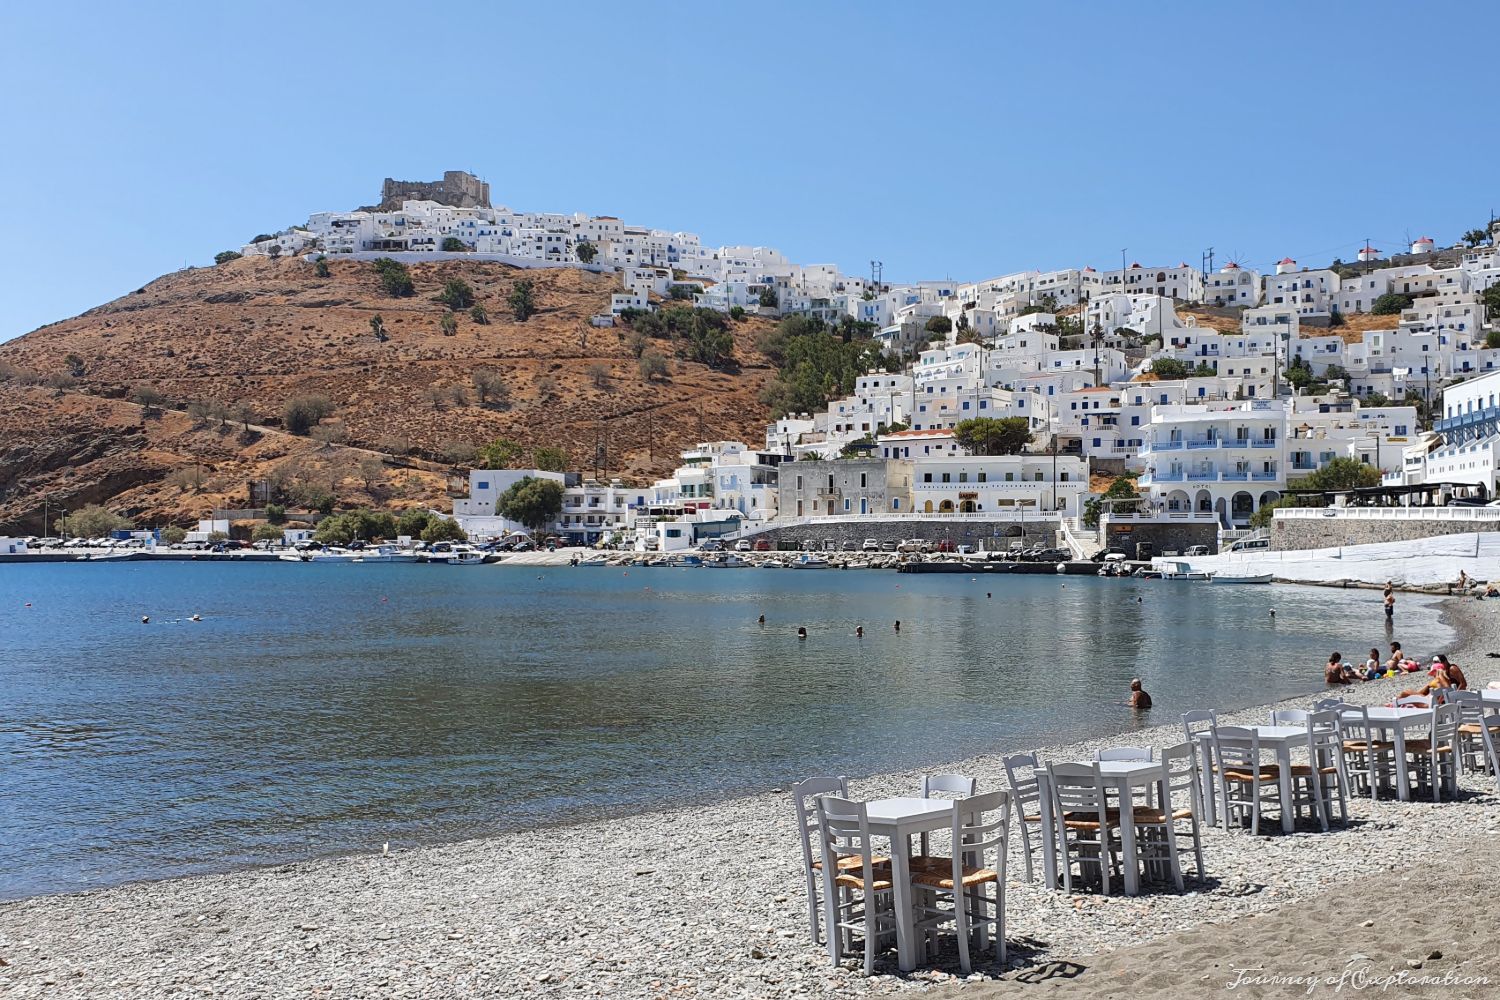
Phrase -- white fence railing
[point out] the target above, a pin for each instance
(1388, 513)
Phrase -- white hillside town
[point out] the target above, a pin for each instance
(1215, 389)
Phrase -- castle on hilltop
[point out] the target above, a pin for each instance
(458, 188)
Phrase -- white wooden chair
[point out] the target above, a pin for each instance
(1478, 735)
(1020, 771)
(804, 796)
(1184, 793)
(981, 831)
(1369, 760)
(1155, 834)
(1291, 717)
(937, 785)
(1081, 822)
(1433, 761)
(1414, 701)
(1246, 784)
(1325, 704)
(1316, 782)
(865, 907)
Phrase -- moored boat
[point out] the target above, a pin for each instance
(1240, 578)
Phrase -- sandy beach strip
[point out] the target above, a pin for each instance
(708, 902)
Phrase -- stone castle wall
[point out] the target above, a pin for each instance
(457, 188)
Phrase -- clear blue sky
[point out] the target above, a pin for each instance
(950, 140)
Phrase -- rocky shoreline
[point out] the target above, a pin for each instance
(699, 902)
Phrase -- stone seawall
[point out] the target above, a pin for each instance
(1288, 534)
(985, 535)
(1162, 538)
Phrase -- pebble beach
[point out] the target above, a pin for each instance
(708, 902)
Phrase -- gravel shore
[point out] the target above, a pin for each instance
(708, 902)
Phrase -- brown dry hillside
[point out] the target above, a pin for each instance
(263, 331)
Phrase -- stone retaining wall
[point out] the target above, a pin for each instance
(987, 535)
(1328, 532)
(1163, 538)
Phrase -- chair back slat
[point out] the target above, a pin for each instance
(1077, 787)
(1236, 746)
(844, 829)
(1125, 754)
(961, 785)
(1324, 704)
(1289, 717)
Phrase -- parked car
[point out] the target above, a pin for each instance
(943, 546)
(870, 545)
(912, 545)
(888, 546)
(762, 545)
(743, 545)
(712, 545)
(1196, 550)
(850, 546)
(968, 550)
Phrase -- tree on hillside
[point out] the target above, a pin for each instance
(479, 315)
(172, 534)
(321, 269)
(448, 324)
(377, 327)
(1491, 300)
(1474, 237)
(585, 251)
(1390, 304)
(550, 459)
(75, 365)
(412, 523)
(302, 413)
(1342, 473)
(225, 256)
(262, 237)
(939, 324)
(443, 529)
(435, 396)
(1168, 369)
(500, 453)
(371, 473)
(92, 521)
(490, 387)
(989, 436)
(522, 300)
(452, 244)
(395, 279)
(458, 453)
(456, 294)
(1492, 339)
(533, 502)
(1123, 488)
(244, 412)
(599, 375)
(653, 365)
(267, 533)
(276, 513)
(148, 396)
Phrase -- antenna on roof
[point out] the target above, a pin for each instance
(877, 268)
(1208, 261)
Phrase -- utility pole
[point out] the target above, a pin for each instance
(877, 269)
(1208, 261)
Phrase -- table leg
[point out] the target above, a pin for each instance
(906, 957)
(1288, 815)
(1206, 784)
(1403, 786)
(1131, 863)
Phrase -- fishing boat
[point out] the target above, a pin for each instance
(726, 561)
(1182, 571)
(464, 557)
(809, 561)
(595, 560)
(1240, 578)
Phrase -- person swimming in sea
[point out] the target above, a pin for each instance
(801, 632)
(1139, 699)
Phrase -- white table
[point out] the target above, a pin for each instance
(1491, 696)
(1395, 721)
(900, 819)
(1120, 777)
(1279, 739)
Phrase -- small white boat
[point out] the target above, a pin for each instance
(465, 557)
(1241, 578)
(809, 561)
(96, 556)
(727, 561)
(598, 560)
(1182, 571)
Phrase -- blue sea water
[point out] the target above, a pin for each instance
(322, 709)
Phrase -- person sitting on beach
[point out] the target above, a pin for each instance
(1490, 591)
(1455, 676)
(1334, 672)
(1139, 699)
(1398, 657)
(1439, 679)
(1371, 669)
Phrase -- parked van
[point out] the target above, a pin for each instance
(1250, 544)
